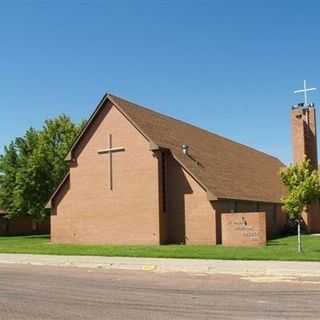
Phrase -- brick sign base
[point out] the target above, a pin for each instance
(244, 229)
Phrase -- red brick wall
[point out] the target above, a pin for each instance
(89, 212)
(221, 206)
(304, 136)
(311, 137)
(311, 218)
(191, 218)
(298, 135)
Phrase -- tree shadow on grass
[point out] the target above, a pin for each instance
(273, 244)
(39, 236)
(26, 237)
(276, 242)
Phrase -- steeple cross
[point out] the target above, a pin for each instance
(110, 151)
(305, 90)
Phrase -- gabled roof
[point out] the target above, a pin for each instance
(224, 168)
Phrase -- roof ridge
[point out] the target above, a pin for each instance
(149, 109)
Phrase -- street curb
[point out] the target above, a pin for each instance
(231, 267)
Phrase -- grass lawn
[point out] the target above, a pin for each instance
(279, 249)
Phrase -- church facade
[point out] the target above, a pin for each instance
(140, 177)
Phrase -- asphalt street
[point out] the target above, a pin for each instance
(41, 292)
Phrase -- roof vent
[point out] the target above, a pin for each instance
(185, 148)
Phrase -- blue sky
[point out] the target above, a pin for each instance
(227, 66)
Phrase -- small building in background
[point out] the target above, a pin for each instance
(22, 225)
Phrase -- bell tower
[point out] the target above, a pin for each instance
(304, 138)
(304, 133)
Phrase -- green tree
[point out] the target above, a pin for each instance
(32, 166)
(303, 185)
(8, 168)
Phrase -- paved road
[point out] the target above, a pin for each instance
(34, 292)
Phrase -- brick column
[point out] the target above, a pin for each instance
(304, 138)
(303, 120)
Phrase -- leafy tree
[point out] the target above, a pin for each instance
(32, 166)
(303, 189)
(8, 167)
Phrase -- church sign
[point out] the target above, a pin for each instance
(244, 229)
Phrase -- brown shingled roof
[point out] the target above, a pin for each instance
(225, 169)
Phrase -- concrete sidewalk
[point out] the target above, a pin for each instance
(243, 268)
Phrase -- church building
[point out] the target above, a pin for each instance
(139, 177)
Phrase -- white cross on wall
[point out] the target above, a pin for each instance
(305, 90)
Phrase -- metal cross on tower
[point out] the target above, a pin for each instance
(305, 90)
(110, 151)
